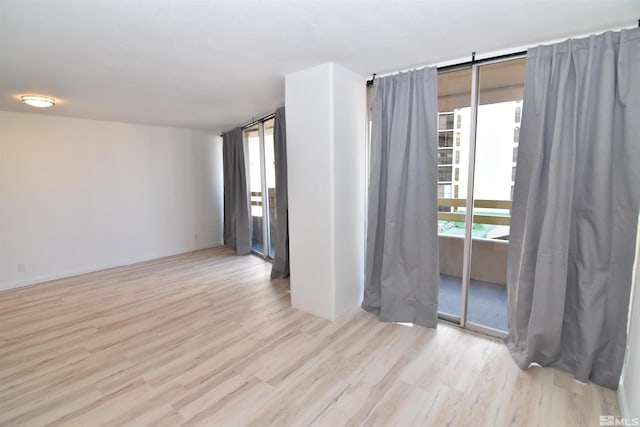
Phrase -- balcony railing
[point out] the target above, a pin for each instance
(484, 218)
(258, 194)
(490, 235)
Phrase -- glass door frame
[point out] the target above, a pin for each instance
(266, 230)
(266, 238)
(462, 320)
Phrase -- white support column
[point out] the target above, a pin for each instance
(326, 119)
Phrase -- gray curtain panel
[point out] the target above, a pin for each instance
(280, 268)
(236, 201)
(401, 276)
(575, 207)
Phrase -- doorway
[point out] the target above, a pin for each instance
(480, 108)
(261, 177)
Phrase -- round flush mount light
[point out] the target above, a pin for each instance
(38, 101)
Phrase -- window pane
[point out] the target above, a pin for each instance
(445, 157)
(444, 191)
(444, 174)
(445, 139)
(445, 121)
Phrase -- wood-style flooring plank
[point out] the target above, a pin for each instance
(207, 339)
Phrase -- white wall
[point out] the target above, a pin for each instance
(308, 106)
(349, 157)
(82, 195)
(325, 107)
(629, 390)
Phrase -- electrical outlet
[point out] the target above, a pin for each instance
(22, 268)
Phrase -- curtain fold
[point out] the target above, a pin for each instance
(237, 231)
(575, 207)
(401, 276)
(280, 268)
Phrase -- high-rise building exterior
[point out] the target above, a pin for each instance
(495, 154)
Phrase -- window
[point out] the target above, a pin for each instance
(445, 121)
(444, 174)
(445, 157)
(445, 139)
(444, 191)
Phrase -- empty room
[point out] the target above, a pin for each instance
(319, 213)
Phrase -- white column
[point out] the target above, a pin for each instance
(326, 119)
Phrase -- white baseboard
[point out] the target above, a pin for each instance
(99, 267)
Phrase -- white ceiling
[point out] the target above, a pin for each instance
(216, 64)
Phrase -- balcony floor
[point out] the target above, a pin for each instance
(487, 301)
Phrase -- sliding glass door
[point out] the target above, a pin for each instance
(262, 186)
(480, 109)
(454, 103)
(500, 92)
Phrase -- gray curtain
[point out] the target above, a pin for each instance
(236, 201)
(575, 207)
(280, 268)
(401, 276)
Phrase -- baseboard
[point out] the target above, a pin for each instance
(92, 269)
(304, 303)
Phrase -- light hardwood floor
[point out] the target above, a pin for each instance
(207, 339)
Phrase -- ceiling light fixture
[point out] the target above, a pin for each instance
(38, 101)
